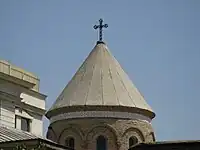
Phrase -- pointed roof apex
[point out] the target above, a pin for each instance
(100, 42)
(100, 83)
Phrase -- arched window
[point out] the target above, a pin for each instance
(132, 141)
(70, 142)
(101, 143)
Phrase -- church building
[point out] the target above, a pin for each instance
(99, 109)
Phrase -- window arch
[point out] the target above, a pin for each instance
(132, 141)
(70, 142)
(101, 143)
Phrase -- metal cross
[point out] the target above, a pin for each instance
(100, 26)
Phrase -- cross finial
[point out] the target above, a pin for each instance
(100, 26)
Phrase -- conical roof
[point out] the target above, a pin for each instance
(100, 81)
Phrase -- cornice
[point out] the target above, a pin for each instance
(17, 101)
(17, 81)
(82, 108)
(99, 114)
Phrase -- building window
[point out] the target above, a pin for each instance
(25, 124)
(101, 143)
(70, 142)
(132, 141)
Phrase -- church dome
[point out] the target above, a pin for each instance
(100, 84)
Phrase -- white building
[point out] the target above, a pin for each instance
(22, 106)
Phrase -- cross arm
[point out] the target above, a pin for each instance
(105, 25)
(96, 26)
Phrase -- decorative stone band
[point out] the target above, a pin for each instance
(99, 114)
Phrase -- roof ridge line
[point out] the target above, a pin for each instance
(125, 86)
(112, 78)
(101, 62)
(90, 82)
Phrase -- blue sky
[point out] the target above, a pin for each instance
(157, 43)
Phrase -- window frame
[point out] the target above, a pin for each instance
(15, 121)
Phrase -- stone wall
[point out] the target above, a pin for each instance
(85, 131)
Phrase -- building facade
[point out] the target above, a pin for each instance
(22, 106)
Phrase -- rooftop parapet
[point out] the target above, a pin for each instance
(9, 69)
